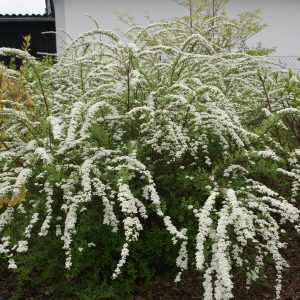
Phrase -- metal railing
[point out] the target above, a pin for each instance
(287, 62)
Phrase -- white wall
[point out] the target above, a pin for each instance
(59, 7)
(75, 19)
(283, 17)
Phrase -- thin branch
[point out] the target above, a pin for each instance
(191, 13)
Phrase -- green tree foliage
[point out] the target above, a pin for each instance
(229, 33)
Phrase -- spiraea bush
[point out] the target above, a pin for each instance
(143, 158)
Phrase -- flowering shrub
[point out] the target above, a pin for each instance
(281, 94)
(143, 136)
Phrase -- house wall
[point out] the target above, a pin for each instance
(71, 15)
(60, 24)
(283, 18)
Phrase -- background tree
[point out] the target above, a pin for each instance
(229, 33)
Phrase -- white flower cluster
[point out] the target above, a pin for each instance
(49, 201)
(28, 230)
(248, 228)
(118, 117)
(42, 153)
(12, 264)
(4, 247)
(124, 255)
(22, 246)
(269, 153)
(21, 180)
(293, 173)
(56, 128)
(6, 217)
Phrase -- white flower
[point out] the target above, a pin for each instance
(124, 255)
(34, 219)
(56, 127)
(12, 264)
(6, 217)
(4, 247)
(22, 246)
(44, 155)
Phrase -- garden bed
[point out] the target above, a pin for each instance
(191, 285)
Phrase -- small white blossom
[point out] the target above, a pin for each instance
(22, 246)
(12, 264)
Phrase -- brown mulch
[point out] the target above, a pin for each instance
(6, 283)
(190, 286)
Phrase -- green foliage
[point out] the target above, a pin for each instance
(42, 269)
(225, 32)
